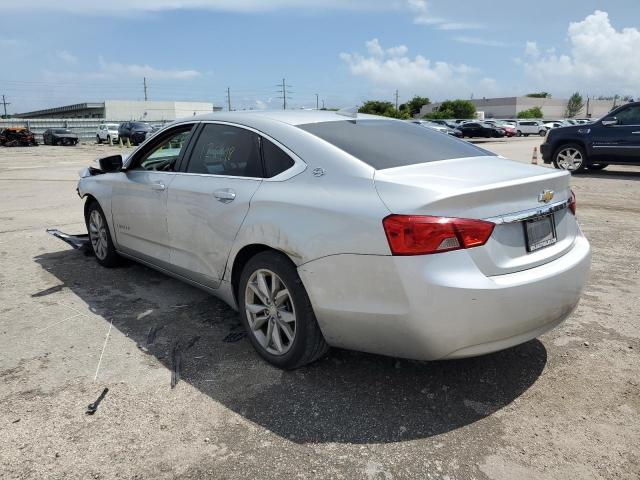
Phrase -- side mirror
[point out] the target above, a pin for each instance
(607, 122)
(111, 164)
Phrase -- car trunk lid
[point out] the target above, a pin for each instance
(490, 188)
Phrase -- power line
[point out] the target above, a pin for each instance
(284, 92)
(4, 104)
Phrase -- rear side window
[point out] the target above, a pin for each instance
(276, 160)
(391, 143)
(226, 150)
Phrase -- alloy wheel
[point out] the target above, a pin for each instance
(270, 312)
(569, 159)
(98, 234)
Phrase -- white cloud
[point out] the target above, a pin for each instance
(601, 59)
(392, 68)
(67, 57)
(482, 42)
(134, 70)
(422, 16)
(119, 7)
(460, 26)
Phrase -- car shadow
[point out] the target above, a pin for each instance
(346, 397)
(611, 173)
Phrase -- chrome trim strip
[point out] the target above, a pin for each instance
(529, 214)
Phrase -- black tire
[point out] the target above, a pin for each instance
(109, 139)
(558, 163)
(526, 134)
(598, 166)
(518, 133)
(542, 133)
(110, 257)
(98, 139)
(308, 344)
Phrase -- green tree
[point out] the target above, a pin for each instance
(534, 112)
(539, 95)
(413, 106)
(574, 105)
(386, 109)
(454, 109)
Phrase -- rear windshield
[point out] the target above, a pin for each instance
(390, 143)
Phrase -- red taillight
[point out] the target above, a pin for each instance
(422, 235)
(572, 203)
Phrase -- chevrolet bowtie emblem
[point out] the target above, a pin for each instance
(545, 196)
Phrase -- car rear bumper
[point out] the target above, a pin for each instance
(439, 306)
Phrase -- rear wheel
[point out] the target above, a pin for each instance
(542, 133)
(570, 157)
(100, 237)
(277, 313)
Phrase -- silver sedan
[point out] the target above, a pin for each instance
(354, 231)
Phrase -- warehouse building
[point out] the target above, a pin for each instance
(121, 110)
(552, 108)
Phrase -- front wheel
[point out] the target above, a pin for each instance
(570, 157)
(519, 133)
(542, 133)
(277, 313)
(100, 237)
(98, 139)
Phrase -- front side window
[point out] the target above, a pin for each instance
(391, 143)
(226, 150)
(629, 116)
(164, 155)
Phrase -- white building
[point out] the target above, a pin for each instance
(122, 110)
(552, 108)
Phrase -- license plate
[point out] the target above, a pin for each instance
(540, 232)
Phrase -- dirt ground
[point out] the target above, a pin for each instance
(565, 406)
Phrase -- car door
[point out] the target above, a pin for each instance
(139, 202)
(209, 199)
(617, 138)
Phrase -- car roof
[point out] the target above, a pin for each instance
(291, 117)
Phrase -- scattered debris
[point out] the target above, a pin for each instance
(192, 341)
(93, 407)
(586, 344)
(146, 313)
(234, 337)
(176, 364)
(16, 420)
(151, 336)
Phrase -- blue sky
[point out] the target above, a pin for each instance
(346, 51)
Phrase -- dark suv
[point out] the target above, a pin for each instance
(614, 139)
(136, 132)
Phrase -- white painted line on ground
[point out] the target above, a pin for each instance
(103, 349)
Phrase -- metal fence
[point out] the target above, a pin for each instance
(85, 128)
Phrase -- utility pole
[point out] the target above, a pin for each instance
(317, 102)
(283, 90)
(396, 100)
(4, 104)
(144, 83)
(229, 98)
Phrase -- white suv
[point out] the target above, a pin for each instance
(106, 132)
(530, 127)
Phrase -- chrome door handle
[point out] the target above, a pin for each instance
(637, 133)
(225, 195)
(158, 186)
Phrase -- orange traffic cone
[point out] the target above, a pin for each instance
(534, 157)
